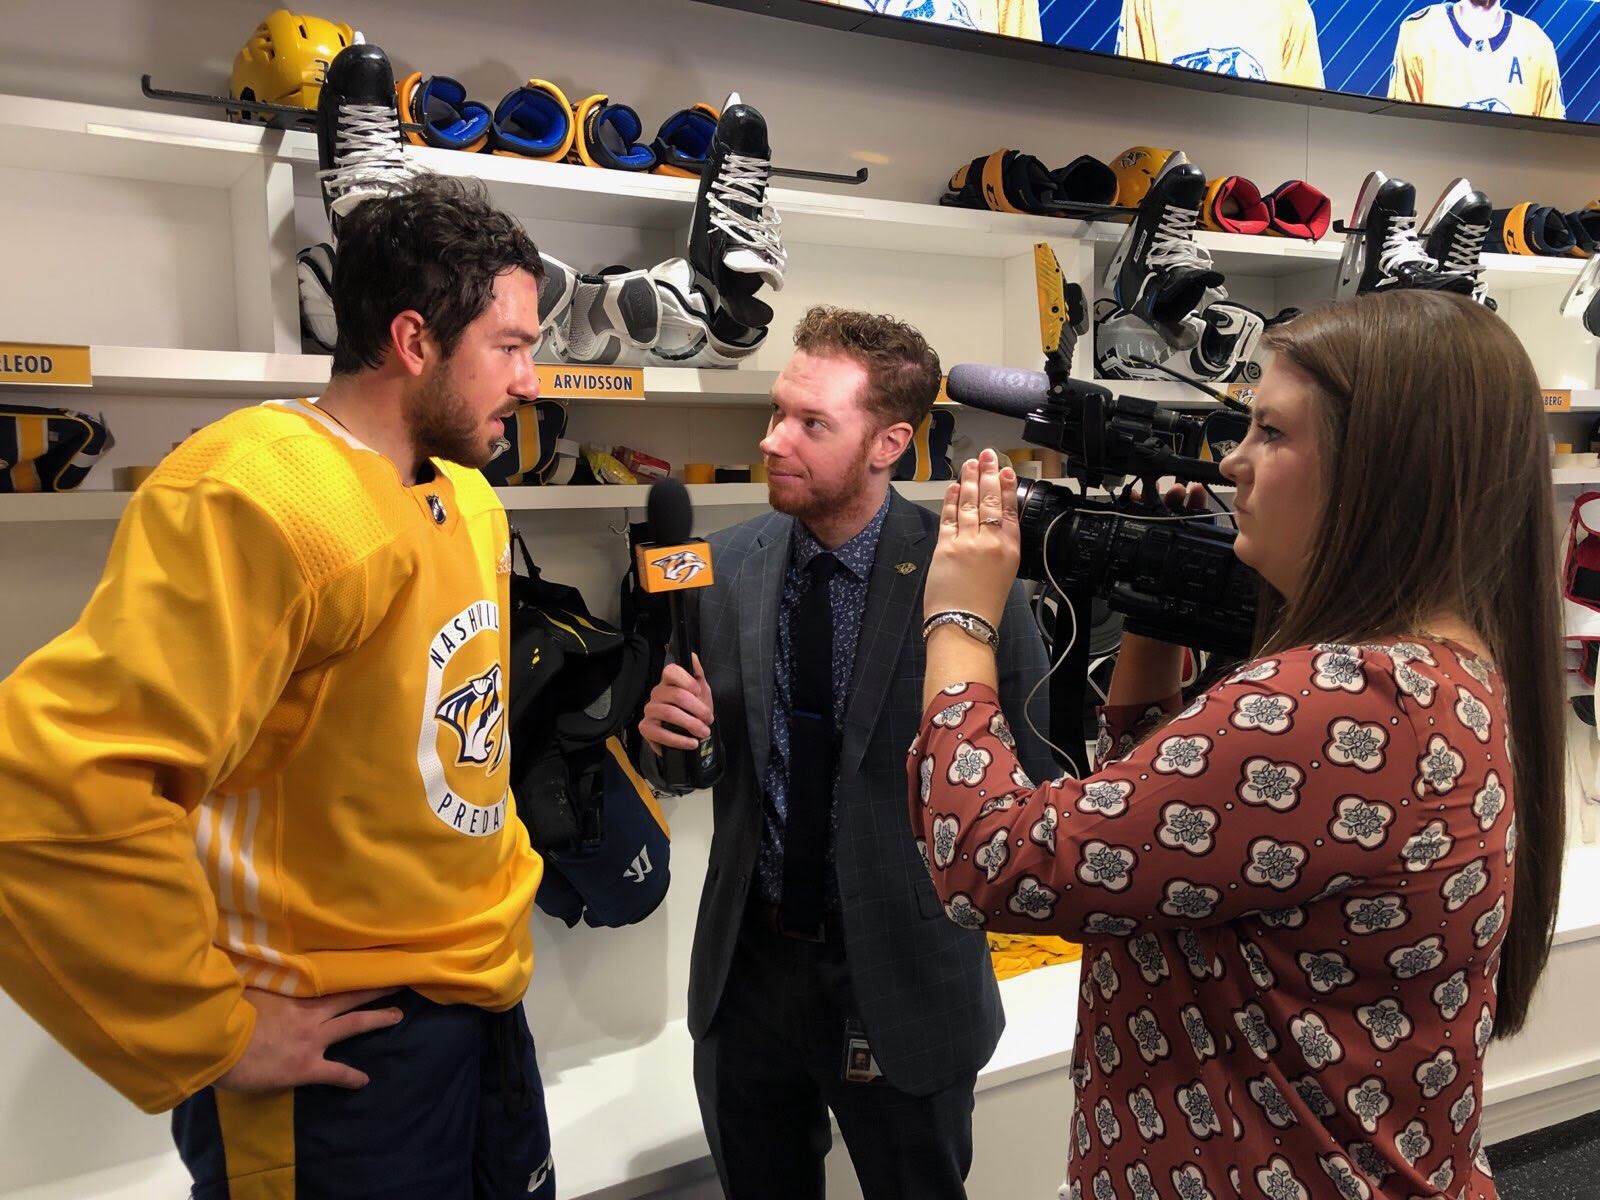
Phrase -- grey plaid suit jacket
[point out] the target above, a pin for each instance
(924, 986)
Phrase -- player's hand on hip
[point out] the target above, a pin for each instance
(292, 1035)
(679, 704)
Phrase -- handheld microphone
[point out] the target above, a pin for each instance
(670, 564)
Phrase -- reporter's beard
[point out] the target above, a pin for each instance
(443, 425)
(809, 504)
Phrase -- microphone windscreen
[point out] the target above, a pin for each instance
(669, 512)
(1004, 390)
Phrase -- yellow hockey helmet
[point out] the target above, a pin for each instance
(284, 60)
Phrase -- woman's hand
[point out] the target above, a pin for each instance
(980, 542)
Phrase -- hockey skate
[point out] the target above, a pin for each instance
(1381, 251)
(1159, 274)
(1453, 234)
(734, 242)
(1582, 301)
(360, 148)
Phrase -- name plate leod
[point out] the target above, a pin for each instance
(563, 382)
(39, 364)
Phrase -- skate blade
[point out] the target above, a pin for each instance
(1109, 283)
(1583, 291)
(1353, 260)
(1457, 189)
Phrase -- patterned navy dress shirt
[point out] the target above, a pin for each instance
(847, 595)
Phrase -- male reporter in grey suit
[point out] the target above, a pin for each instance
(825, 974)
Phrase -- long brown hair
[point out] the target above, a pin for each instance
(1437, 471)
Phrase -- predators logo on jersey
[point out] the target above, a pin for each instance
(1510, 68)
(1223, 60)
(1272, 40)
(477, 715)
(463, 738)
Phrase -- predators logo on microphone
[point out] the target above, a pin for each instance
(681, 567)
(675, 568)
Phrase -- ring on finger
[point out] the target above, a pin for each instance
(991, 521)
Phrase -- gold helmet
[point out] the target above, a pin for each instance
(284, 60)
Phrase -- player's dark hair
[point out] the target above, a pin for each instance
(436, 247)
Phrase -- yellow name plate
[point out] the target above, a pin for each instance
(562, 382)
(40, 364)
(1557, 401)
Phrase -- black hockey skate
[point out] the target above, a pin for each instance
(1159, 274)
(360, 148)
(1381, 251)
(734, 241)
(1453, 234)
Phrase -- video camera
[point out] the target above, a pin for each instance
(1177, 581)
(1170, 576)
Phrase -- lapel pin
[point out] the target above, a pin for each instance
(905, 568)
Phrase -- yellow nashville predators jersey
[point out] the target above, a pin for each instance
(271, 752)
(1273, 40)
(1514, 70)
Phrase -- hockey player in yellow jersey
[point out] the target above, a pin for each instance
(1272, 40)
(1475, 54)
(258, 856)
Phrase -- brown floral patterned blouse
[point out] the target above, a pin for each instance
(1292, 899)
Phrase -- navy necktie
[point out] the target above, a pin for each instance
(813, 753)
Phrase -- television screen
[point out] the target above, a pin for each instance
(1527, 58)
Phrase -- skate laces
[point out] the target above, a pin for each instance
(1173, 244)
(369, 150)
(1465, 249)
(742, 180)
(1400, 247)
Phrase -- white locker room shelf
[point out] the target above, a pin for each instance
(246, 375)
(1576, 476)
(107, 505)
(52, 135)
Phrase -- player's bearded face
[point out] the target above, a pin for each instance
(444, 424)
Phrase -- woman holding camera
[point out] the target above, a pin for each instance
(1310, 899)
